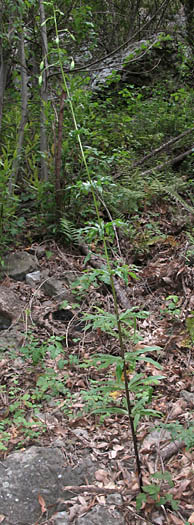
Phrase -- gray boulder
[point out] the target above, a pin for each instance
(10, 307)
(97, 516)
(41, 474)
(18, 264)
(57, 289)
(37, 471)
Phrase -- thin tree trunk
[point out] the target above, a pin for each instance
(58, 155)
(44, 96)
(189, 15)
(24, 105)
(3, 77)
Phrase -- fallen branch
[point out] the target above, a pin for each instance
(161, 148)
(169, 162)
(93, 489)
(171, 449)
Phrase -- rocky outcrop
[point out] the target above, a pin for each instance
(39, 475)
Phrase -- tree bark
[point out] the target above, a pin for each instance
(3, 77)
(44, 96)
(58, 195)
(24, 105)
(189, 15)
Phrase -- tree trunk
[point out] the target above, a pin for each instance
(189, 15)
(3, 77)
(58, 193)
(44, 96)
(24, 105)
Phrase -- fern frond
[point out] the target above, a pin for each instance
(170, 190)
(69, 230)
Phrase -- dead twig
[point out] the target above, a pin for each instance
(93, 489)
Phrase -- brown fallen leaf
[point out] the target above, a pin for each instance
(74, 511)
(175, 520)
(191, 519)
(178, 408)
(42, 503)
(101, 475)
(179, 491)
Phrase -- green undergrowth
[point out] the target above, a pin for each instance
(104, 395)
(116, 132)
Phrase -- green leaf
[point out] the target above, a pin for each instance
(153, 490)
(87, 258)
(133, 275)
(141, 498)
(3, 447)
(119, 371)
(40, 80)
(163, 476)
(150, 360)
(136, 420)
(72, 65)
(61, 363)
(63, 305)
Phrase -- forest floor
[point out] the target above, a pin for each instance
(164, 256)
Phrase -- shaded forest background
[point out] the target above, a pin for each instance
(138, 109)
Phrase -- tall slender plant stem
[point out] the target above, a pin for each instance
(121, 343)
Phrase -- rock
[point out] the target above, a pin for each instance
(18, 264)
(114, 499)
(10, 307)
(45, 273)
(5, 321)
(97, 516)
(33, 278)
(100, 515)
(154, 438)
(120, 62)
(25, 475)
(61, 518)
(11, 340)
(188, 396)
(57, 289)
(70, 276)
(40, 251)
